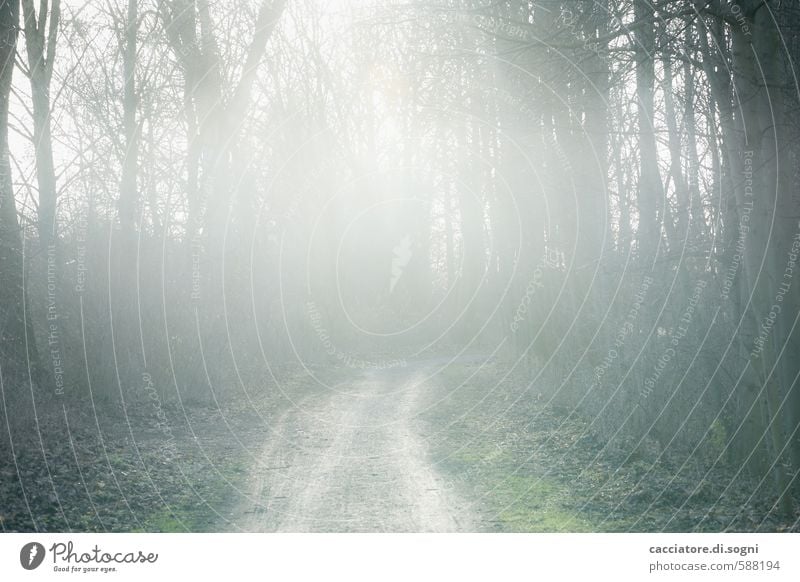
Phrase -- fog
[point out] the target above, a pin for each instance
(430, 265)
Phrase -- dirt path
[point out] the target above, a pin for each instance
(352, 460)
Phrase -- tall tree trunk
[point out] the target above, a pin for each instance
(13, 357)
(471, 211)
(682, 218)
(651, 192)
(593, 237)
(756, 57)
(696, 217)
(125, 290)
(128, 196)
(40, 44)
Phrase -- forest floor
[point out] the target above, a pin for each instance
(427, 447)
(528, 466)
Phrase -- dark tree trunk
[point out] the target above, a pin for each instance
(651, 193)
(16, 362)
(40, 44)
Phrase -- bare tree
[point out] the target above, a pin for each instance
(41, 33)
(12, 293)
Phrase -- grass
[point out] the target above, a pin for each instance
(129, 481)
(200, 510)
(529, 467)
(512, 499)
(526, 467)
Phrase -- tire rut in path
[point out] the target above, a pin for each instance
(351, 461)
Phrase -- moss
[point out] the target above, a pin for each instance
(165, 522)
(190, 510)
(516, 493)
(519, 502)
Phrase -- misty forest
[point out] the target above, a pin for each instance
(408, 265)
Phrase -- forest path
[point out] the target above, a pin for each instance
(352, 459)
